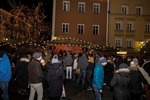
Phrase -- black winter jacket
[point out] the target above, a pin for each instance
(55, 79)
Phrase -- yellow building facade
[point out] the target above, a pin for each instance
(128, 24)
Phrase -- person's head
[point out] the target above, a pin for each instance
(135, 60)
(37, 55)
(55, 59)
(123, 65)
(133, 64)
(146, 58)
(103, 61)
(1, 54)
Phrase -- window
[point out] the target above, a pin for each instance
(129, 43)
(80, 28)
(139, 10)
(130, 26)
(96, 8)
(118, 42)
(95, 29)
(66, 6)
(65, 27)
(147, 27)
(81, 7)
(118, 25)
(124, 9)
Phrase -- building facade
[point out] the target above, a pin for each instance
(129, 23)
(80, 20)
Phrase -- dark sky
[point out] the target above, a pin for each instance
(47, 6)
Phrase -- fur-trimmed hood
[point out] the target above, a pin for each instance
(24, 59)
(123, 71)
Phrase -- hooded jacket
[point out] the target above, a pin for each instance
(98, 77)
(55, 79)
(136, 78)
(5, 68)
(120, 83)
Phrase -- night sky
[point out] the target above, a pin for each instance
(47, 6)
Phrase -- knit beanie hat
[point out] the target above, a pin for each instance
(37, 55)
(102, 59)
(55, 59)
(123, 65)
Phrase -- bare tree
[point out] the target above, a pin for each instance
(26, 24)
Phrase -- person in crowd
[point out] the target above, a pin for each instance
(55, 79)
(136, 80)
(47, 56)
(98, 77)
(146, 74)
(90, 71)
(96, 58)
(118, 61)
(82, 64)
(5, 74)
(128, 60)
(120, 82)
(35, 74)
(22, 74)
(68, 61)
(75, 63)
(108, 71)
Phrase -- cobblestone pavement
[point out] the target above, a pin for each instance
(72, 93)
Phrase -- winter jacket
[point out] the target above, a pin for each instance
(22, 72)
(35, 72)
(55, 79)
(83, 62)
(136, 78)
(68, 60)
(98, 77)
(146, 67)
(5, 68)
(120, 82)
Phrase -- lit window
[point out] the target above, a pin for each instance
(80, 28)
(65, 27)
(129, 43)
(66, 6)
(130, 26)
(95, 29)
(81, 7)
(118, 25)
(139, 10)
(147, 27)
(96, 8)
(124, 9)
(118, 42)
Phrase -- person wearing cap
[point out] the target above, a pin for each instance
(136, 81)
(35, 74)
(55, 78)
(98, 77)
(5, 74)
(120, 82)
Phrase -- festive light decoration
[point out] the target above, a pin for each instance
(23, 24)
(145, 46)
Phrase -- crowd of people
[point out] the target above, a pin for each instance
(127, 78)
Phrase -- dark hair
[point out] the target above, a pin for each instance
(1, 54)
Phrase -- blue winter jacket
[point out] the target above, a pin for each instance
(5, 68)
(98, 77)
